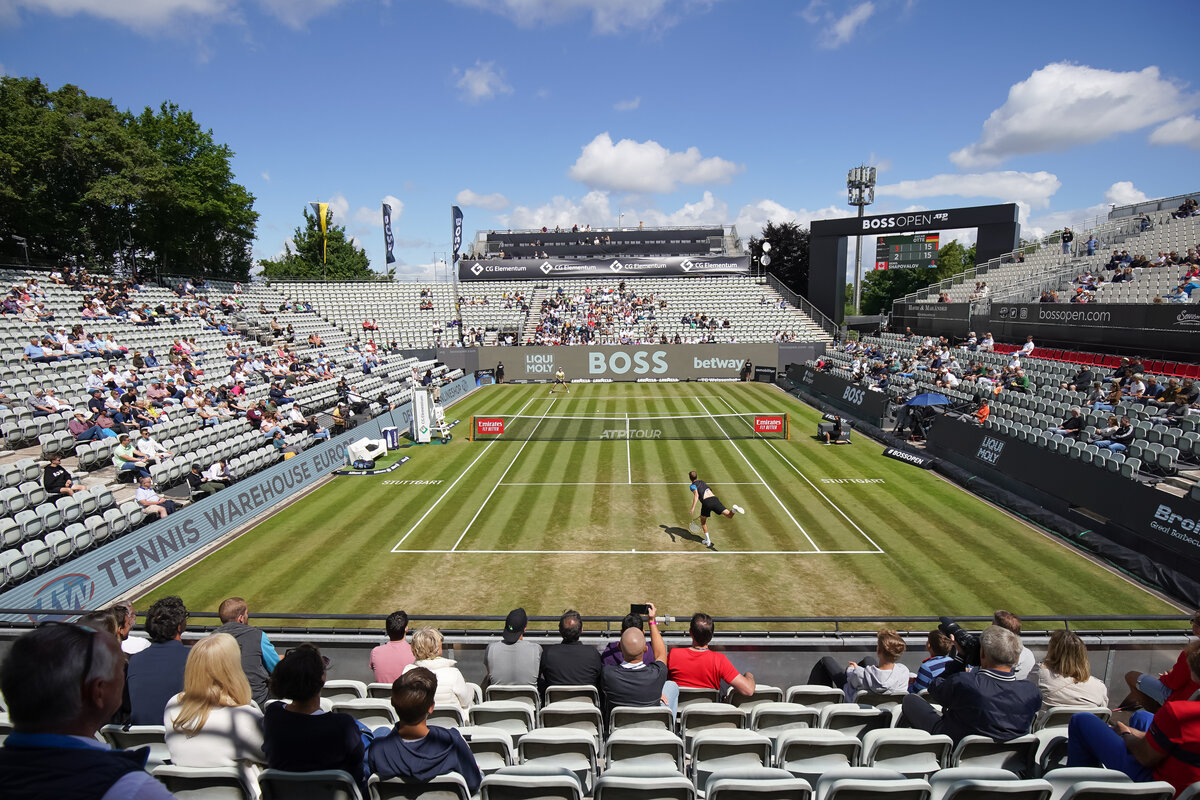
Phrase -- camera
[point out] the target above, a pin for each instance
(967, 642)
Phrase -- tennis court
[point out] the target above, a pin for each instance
(549, 515)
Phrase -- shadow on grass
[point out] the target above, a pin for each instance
(676, 533)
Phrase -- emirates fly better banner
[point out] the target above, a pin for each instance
(530, 269)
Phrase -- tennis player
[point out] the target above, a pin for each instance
(709, 504)
(560, 379)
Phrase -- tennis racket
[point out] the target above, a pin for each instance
(694, 526)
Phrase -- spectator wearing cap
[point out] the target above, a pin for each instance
(61, 683)
(82, 429)
(512, 660)
(570, 662)
(1072, 426)
(389, 660)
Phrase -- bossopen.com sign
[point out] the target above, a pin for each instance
(489, 426)
(768, 424)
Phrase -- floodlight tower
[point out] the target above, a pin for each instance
(860, 187)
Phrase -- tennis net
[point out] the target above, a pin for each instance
(518, 427)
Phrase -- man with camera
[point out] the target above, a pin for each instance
(989, 700)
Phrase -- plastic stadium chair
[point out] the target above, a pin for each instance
(1016, 755)
(640, 746)
(530, 781)
(814, 696)
(561, 747)
(513, 717)
(811, 752)
(379, 691)
(131, 737)
(1061, 780)
(450, 786)
(344, 690)
(879, 699)
(60, 544)
(709, 716)
(715, 750)
(761, 783)
(578, 716)
(648, 717)
(1190, 793)
(914, 753)
(868, 783)
(447, 715)
(372, 712)
(853, 719)
(943, 780)
(492, 748)
(583, 693)
(982, 789)
(1060, 716)
(15, 565)
(204, 783)
(326, 784)
(621, 787)
(762, 694)
(772, 719)
(39, 554)
(1103, 790)
(514, 693)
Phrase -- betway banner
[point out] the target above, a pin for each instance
(529, 269)
(1159, 328)
(102, 575)
(627, 363)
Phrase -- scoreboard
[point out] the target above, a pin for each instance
(907, 251)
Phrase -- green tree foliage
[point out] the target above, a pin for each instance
(81, 179)
(789, 253)
(881, 287)
(302, 257)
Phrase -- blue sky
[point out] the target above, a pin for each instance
(669, 112)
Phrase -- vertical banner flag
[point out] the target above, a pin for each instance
(389, 241)
(456, 215)
(322, 211)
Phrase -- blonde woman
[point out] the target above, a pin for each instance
(452, 687)
(1063, 676)
(213, 722)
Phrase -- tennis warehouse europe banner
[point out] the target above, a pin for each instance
(530, 269)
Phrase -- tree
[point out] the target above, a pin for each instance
(789, 253)
(344, 261)
(881, 287)
(81, 179)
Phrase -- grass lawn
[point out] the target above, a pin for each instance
(480, 527)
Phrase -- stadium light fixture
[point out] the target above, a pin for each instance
(860, 190)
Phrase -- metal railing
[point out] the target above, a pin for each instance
(1151, 206)
(802, 303)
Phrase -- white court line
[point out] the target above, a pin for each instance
(483, 505)
(654, 552)
(760, 477)
(640, 483)
(451, 486)
(787, 461)
(628, 454)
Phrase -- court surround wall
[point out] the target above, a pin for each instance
(100, 576)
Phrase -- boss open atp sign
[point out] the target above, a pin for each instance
(489, 426)
(768, 424)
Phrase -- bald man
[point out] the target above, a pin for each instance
(633, 682)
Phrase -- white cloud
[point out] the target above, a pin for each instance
(481, 82)
(753, 217)
(266, 176)
(646, 166)
(591, 209)
(1063, 105)
(3, 71)
(298, 13)
(492, 202)
(1181, 130)
(627, 105)
(1033, 188)
(1123, 193)
(372, 216)
(836, 30)
(144, 16)
(608, 16)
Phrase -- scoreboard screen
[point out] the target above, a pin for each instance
(907, 251)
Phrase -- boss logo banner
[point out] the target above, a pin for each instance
(851, 397)
(540, 269)
(628, 363)
(854, 395)
(915, 459)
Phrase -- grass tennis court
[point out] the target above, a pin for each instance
(478, 527)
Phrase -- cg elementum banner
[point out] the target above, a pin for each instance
(530, 269)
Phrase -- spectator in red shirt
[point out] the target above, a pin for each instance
(1162, 747)
(1178, 683)
(699, 667)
